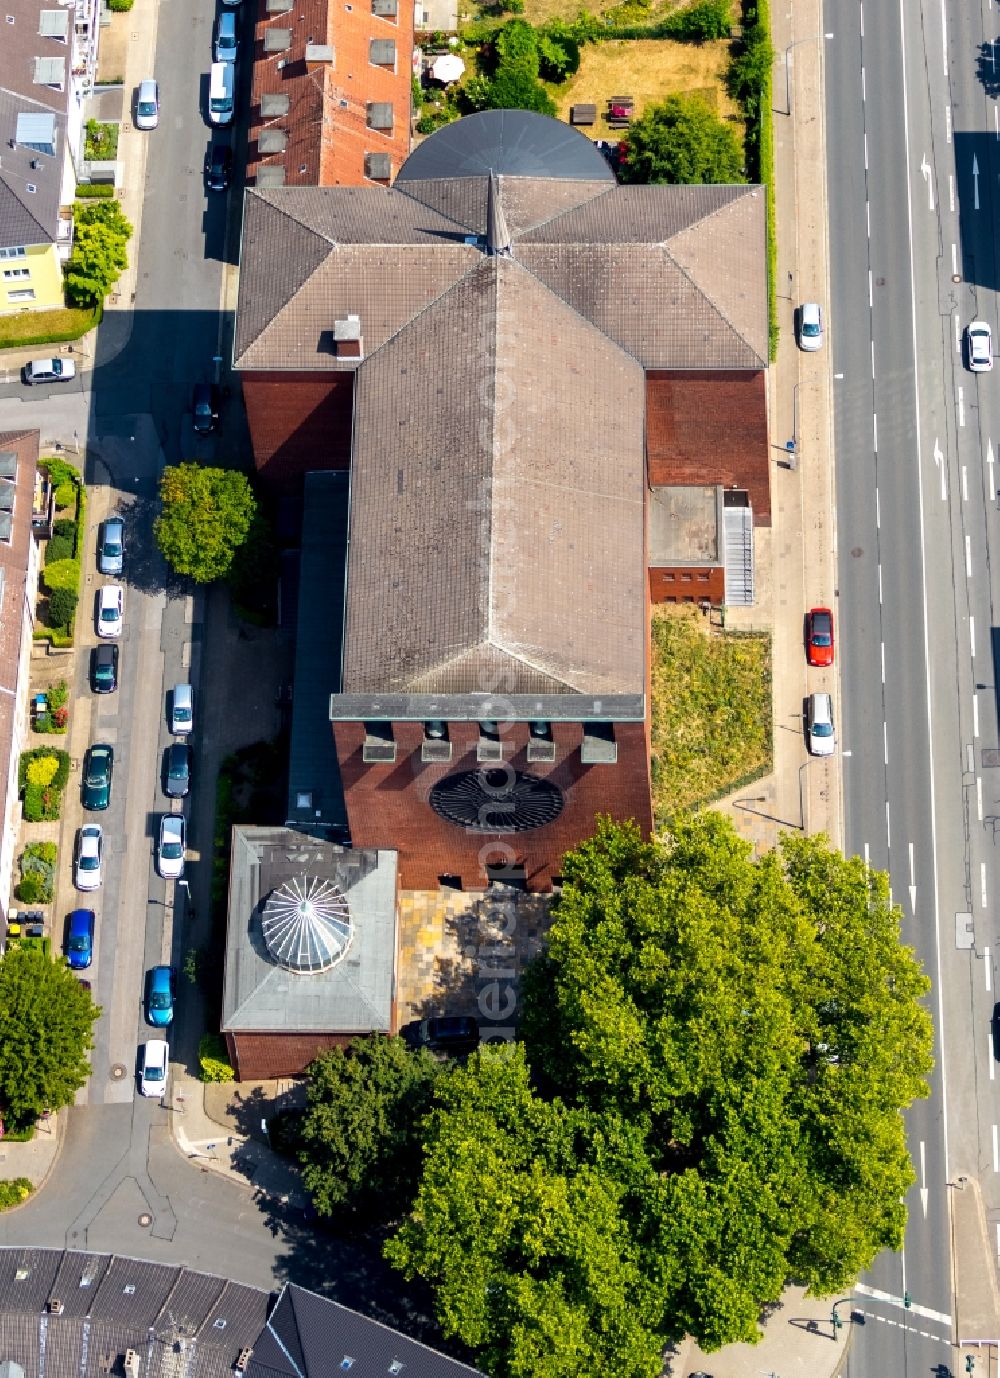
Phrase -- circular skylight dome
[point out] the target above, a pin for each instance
(307, 924)
(496, 801)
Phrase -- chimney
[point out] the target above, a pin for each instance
(347, 341)
(318, 55)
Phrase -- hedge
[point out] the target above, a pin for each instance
(87, 191)
(213, 1059)
(759, 148)
(62, 574)
(59, 326)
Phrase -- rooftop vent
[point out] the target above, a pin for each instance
(244, 1358)
(132, 1363)
(379, 114)
(382, 52)
(541, 747)
(378, 167)
(435, 748)
(277, 40)
(22, 1272)
(273, 176)
(599, 747)
(379, 747)
(347, 340)
(273, 104)
(272, 140)
(496, 801)
(306, 925)
(278, 6)
(319, 54)
(55, 1306)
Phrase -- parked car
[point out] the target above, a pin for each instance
(170, 848)
(48, 371)
(153, 1063)
(147, 104)
(104, 669)
(225, 43)
(450, 1033)
(98, 767)
(80, 939)
(181, 710)
(205, 407)
(221, 93)
(979, 346)
(819, 636)
(110, 609)
(810, 327)
(87, 872)
(820, 736)
(177, 770)
(111, 546)
(160, 997)
(218, 167)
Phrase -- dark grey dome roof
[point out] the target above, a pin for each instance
(511, 143)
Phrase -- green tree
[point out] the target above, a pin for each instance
(62, 574)
(719, 1051)
(362, 1130)
(752, 60)
(514, 88)
(684, 142)
(46, 1031)
(99, 251)
(206, 515)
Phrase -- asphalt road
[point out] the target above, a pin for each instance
(912, 261)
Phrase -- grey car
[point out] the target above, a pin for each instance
(820, 736)
(111, 546)
(177, 770)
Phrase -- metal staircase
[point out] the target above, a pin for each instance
(738, 527)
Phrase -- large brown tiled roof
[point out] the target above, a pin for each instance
(496, 508)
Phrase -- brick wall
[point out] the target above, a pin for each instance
(710, 428)
(262, 1056)
(387, 805)
(299, 422)
(687, 584)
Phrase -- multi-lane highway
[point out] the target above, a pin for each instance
(913, 172)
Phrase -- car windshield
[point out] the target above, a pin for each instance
(822, 631)
(147, 107)
(178, 770)
(103, 671)
(89, 861)
(182, 715)
(823, 729)
(78, 944)
(109, 613)
(112, 548)
(97, 774)
(159, 1000)
(154, 1073)
(220, 104)
(810, 327)
(171, 851)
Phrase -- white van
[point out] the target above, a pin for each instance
(222, 92)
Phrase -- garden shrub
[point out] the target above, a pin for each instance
(42, 771)
(94, 191)
(58, 694)
(35, 803)
(709, 19)
(65, 494)
(62, 606)
(62, 574)
(38, 868)
(60, 470)
(213, 1059)
(14, 1190)
(29, 889)
(66, 527)
(59, 548)
(101, 142)
(42, 801)
(120, 6)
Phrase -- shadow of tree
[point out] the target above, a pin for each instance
(986, 68)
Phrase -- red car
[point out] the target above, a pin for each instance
(819, 637)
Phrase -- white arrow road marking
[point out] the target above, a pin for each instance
(913, 884)
(996, 1151)
(986, 969)
(923, 1179)
(925, 168)
(975, 182)
(989, 462)
(939, 461)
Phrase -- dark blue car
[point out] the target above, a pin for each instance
(80, 941)
(160, 997)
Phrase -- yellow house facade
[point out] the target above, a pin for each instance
(30, 278)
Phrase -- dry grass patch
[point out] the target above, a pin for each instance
(649, 69)
(711, 708)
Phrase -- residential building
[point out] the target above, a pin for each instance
(146, 1320)
(331, 93)
(48, 59)
(19, 564)
(526, 353)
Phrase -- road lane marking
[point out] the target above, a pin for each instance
(970, 757)
(883, 662)
(885, 741)
(888, 834)
(866, 859)
(947, 124)
(961, 406)
(975, 182)
(878, 510)
(989, 461)
(965, 486)
(982, 883)
(913, 884)
(939, 461)
(979, 797)
(986, 970)
(878, 1295)
(866, 150)
(925, 171)
(972, 636)
(975, 715)
(996, 120)
(996, 1151)
(951, 194)
(954, 259)
(989, 1054)
(875, 430)
(871, 294)
(880, 581)
(968, 557)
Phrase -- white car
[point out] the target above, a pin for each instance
(821, 738)
(810, 327)
(87, 873)
(49, 371)
(147, 104)
(170, 848)
(110, 610)
(153, 1067)
(979, 343)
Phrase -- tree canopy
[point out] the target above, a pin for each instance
(361, 1136)
(98, 258)
(46, 1031)
(206, 515)
(717, 1050)
(684, 142)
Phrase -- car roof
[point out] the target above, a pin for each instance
(156, 1048)
(172, 823)
(81, 918)
(147, 88)
(113, 523)
(106, 652)
(822, 705)
(810, 311)
(182, 695)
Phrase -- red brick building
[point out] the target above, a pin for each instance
(532, 350)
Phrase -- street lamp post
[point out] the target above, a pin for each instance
(813, 38)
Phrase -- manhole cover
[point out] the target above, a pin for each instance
(857, 552)
(145, 1220)
(118, 1071)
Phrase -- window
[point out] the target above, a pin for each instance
(23, 294)
(10, 273)
(13, 253)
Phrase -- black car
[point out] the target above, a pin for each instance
(450, 1033)
(104, 668)
(205, 405)
(98, 768)
(218, 167)
(177, 770)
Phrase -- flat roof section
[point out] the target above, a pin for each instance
(684, 526)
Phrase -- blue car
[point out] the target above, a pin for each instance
(80, 940)
(160, 997)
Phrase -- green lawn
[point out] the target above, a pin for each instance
(46, 327)
(711, 709)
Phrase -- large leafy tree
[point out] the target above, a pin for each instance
(725, 1045)
(684, 142)
(361, 1136)
(98, 259)
(206, 515)
(46, 1031)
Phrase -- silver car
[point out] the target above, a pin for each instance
(181, 710)
(153, 1068)
(87, 872)
(49, 371)
(170, 848)
(810, 327)
(111, 546)
(147, 105)
(820, 736)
